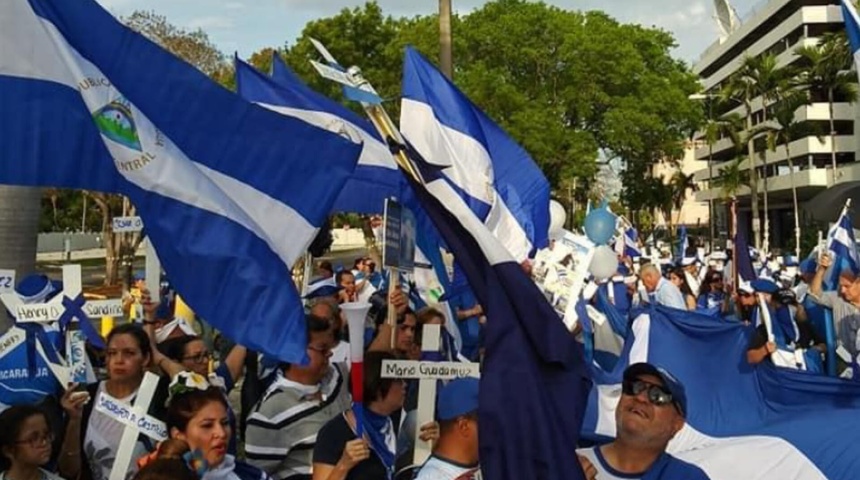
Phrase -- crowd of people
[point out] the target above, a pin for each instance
(298, 421)
(294, 421)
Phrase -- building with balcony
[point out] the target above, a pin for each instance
(693, 211)
(779, 27)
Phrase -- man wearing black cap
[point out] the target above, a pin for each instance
(651, 411)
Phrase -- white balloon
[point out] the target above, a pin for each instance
(557, 217)
(604, 264)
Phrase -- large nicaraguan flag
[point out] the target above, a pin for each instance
(843, 247)
(376, 176)
(744, 421)
(527, 431)
(492, 173)
(231, 193)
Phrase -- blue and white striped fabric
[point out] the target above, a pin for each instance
(231, 194)
(751, 422)
(631, 243)
(843, 247)
(683, 243)
(495, 176)
(376, 176)
(527, 347)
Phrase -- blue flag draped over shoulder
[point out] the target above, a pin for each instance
(744, 421)
(492, 173)
(230, 193)
(531, 430)
(375, 177)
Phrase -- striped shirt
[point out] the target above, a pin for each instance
(282, 429)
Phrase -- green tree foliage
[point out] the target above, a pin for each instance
(564, 84)
(193, 46)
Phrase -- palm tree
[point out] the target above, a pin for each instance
(679, 184)
(742, 88)
(786, 130)
(826, 68)
(732, 177)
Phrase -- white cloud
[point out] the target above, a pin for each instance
(234, 6)
(213, 22)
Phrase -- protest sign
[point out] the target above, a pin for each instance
(427, 373)
(136, 422)
(7, 281)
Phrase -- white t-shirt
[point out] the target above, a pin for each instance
(102, 440)
(604, 471)
(438, 469)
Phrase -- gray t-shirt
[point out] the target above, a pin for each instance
(846, 319)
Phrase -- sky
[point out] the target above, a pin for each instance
(246, 26)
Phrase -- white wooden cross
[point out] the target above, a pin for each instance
(136, 421)
(153, 264)
(75, 371)
(427, 374)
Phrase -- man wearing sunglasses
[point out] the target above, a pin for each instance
(651, 411)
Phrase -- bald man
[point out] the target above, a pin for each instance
(661, 290)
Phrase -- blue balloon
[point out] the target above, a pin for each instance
(599, 226)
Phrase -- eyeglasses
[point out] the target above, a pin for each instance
(657, 395)
(201, 357)
(36, 441)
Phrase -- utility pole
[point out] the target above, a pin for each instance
(446, 56)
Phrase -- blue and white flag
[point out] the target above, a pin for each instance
(231, 194)
(527, 431)
(683, 243)
(376, 176)
(495, 176)
(843, 247)
(852, 29)
(743, 421)
(630, 240)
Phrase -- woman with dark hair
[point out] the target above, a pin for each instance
(712, 293)
(677, 277)
(92, 437)
(25, 444)
(339, 454)
(197, 415)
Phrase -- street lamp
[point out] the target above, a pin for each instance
(707, 97)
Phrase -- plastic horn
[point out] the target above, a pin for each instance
(356, 313)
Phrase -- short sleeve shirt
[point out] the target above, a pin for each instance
(666, 467)
(438, 469)
(329, 447)
(846, 318)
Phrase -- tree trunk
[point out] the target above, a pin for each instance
(756, 226)
(446, 55)
(832, 136)
(112, 255)
(794, 200)
(19, 229)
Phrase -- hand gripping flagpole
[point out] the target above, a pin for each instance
(359, 89)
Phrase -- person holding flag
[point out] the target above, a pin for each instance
(845, 303)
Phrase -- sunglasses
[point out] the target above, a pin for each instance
(657, 395)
